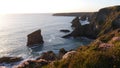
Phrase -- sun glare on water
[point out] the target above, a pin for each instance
(3, 24)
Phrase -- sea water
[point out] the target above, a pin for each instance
(14, 29)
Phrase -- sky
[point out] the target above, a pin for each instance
(53, 6)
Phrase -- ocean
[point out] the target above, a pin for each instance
(14, 29)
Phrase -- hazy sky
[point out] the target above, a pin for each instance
(48, 6)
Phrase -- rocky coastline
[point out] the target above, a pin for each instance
(104, 51)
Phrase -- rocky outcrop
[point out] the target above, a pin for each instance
(35, 38)
(75, 22)
(64, 30)
(102, 22)
(44, 59)
(49, 56)
(69, 54)
(85, 30)
(10, 59)
(107, 19)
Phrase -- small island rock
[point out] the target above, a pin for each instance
(35, 38)
(64, 30)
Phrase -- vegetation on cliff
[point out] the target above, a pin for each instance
(94, 56)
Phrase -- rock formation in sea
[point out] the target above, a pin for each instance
(75, 22)
(103, 21)
(10, 59)
(64, 30)
(35, 38)
(81, 30)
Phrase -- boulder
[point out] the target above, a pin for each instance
(64, 30)
(69, 54)
(62, 51)
(35, 38)
(105, 46)
(49, 56)
(115, 39)
(10, 59)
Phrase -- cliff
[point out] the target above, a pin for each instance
(104, 52)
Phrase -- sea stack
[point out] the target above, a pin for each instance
(34, 38)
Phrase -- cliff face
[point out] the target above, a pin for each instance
(107, 19)
(104, 52)
(101, 22)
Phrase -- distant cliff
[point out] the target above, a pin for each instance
(73, 14)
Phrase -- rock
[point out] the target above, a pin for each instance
(64, 30)
(77, 32)
(105, 46)
(107, 19)
(75, 22)
(35, 38)
(49, 56)
(66, 36)
(62, 51)
(102, 15)
(33, 64)
(10, 59)
(85, 30)
(115, 39)
(69, 54)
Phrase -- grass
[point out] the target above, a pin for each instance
(92, 59)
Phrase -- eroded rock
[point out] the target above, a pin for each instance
(35, 38)
(75, 22)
